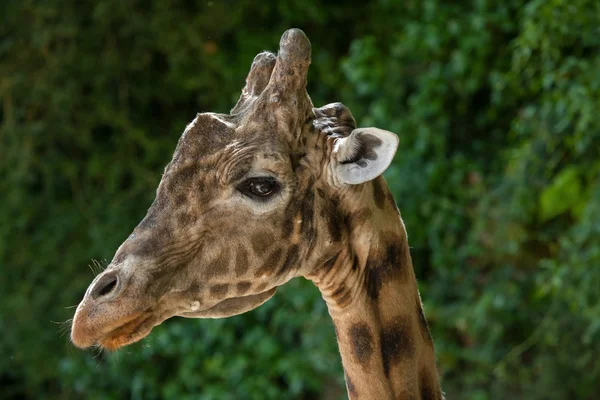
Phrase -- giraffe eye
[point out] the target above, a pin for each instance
(260, 188)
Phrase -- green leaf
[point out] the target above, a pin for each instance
(562, 195)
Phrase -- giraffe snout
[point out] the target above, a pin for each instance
(109, 315)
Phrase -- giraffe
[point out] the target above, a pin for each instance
(275, 190)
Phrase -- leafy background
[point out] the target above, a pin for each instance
(497, 176)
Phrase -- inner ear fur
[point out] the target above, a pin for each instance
(364, 155)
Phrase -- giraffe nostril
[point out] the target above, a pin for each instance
(109, 287)
(105, 286)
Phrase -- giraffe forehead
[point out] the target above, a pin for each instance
(211, 137)
(205, 135)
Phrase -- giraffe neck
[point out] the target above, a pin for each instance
(372, 296)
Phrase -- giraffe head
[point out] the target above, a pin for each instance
(247, 203)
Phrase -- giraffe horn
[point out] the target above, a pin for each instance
(257, 79)
(291, 68)
(260, 73)
(274, 78)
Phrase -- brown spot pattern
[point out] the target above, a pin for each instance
(392, 200)
(219, 291)
(362, 342)
(270, 263)
(184, 218)
(322, 194)
(180, 199)
(288, 227)
(261, 242)
(243, 287)
(308, 214)
(396, 344)
(241, 261)
(290, 259)
(302, 205)
(181, 177)
(290, 214)
(218, 267)
(379, 192)
(357, 218)
(355, 262)
(151, 244)
(194, 288)
(333, 219)
(430, 389)
(160, 278)
(381, 269)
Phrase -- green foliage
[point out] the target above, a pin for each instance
(497, 178)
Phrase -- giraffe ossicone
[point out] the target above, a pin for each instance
(274, 190)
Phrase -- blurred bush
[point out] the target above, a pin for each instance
(497, 177)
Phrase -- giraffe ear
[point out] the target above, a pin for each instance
(363, 155)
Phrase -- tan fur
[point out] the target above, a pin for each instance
(206, 250)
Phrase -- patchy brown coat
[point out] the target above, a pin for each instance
(251, 200)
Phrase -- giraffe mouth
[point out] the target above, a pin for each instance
(141, 324)
(130, 332)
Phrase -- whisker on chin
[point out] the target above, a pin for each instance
(65, 326)
(69, 346)
(99, 356)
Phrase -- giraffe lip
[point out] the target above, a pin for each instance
(129, 332)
